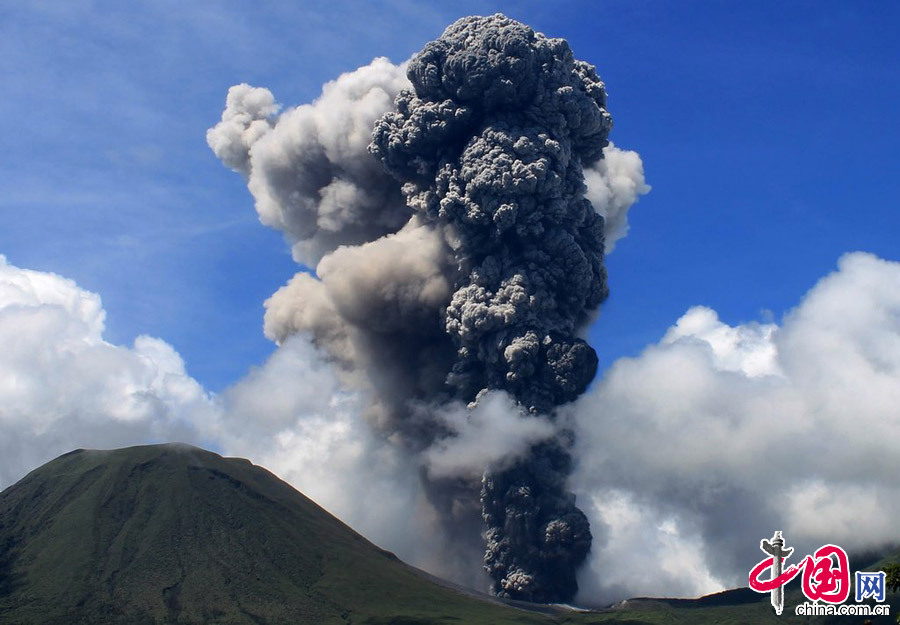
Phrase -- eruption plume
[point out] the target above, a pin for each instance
(462, 266)
(490, 141)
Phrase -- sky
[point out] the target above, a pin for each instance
(767, 132)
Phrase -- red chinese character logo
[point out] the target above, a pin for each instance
(826, 573)
(767, 585)
(821, 580)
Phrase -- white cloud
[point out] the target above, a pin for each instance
(730, 433)
(747, 348)
(293, 416)
(62, 386)
(687, 454)
(644, 553)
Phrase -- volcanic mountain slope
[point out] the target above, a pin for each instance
(175, 534)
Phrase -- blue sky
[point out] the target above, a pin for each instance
(767, 131)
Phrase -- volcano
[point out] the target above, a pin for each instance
(175, 534)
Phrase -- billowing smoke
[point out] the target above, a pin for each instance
(307, 168)
(489, 144)
(457, 254)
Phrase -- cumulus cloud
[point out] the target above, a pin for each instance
(718, 435)
(62, 386)
(687, 455)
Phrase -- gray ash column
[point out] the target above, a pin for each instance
(490, 145)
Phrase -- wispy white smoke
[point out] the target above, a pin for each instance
(492, 434)
(614, 184)
(719, 435)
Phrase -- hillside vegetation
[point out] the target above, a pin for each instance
(175, 534)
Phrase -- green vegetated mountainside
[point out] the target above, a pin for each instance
(176, 534)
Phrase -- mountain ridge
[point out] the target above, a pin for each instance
(173, 533)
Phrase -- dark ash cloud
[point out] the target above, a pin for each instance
(443, 206)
